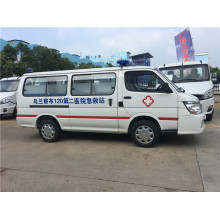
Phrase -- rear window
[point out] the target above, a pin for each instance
(45, 86)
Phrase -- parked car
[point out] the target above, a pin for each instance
(8, 95)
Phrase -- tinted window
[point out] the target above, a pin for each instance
(45, 86)
(142, 81)
(96, 84)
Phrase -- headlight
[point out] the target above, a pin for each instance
(208, 94)
(5, 100)
(193, 107)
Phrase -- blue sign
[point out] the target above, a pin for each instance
(184, 46)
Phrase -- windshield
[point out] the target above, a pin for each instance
(167, 78)
(189, 73)
(8, 85)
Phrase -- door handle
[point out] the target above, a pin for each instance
(127, 97)
(110, 102)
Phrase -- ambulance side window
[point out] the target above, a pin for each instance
(142, 81)
(45, 86)
(96, 84)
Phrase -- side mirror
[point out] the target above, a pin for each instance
(166, 88)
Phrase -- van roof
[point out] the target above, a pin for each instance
(95, 70)
(184, 64)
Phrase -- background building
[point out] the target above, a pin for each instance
(14, 43)
(139, 59)
(111, 59)
(202, 56)
(77, 59)
(142, 59)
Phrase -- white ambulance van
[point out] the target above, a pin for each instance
(138, 100)
(8, 95)
(194, 77)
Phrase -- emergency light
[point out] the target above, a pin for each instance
(123, 62)
(30, 70)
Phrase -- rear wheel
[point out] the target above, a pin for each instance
(145, 133)
(49, 130)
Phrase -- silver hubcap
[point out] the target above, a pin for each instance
(48, 131)
(144, 134)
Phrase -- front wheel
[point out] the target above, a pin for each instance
(145, 133)
(49, 131)
(209, 116)
(14, 114)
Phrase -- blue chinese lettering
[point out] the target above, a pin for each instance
(51, 101)
(82, 101)
(76, 100)
(46, 101)
(89, 100)
(40, 101)
(101, 100)
(70, 100)
(65, 100)
(95, 100)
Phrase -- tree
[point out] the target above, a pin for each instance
(10, 52)
(39, 59)
(7, 69)
(109, 65)
(88, 66)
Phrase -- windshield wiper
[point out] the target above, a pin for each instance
(3, 90)
(186, 80)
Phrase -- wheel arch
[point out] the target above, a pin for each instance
(140, 118)
(46, 117)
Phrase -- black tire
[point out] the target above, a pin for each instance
(49, 130)
(149, 137)
(209, 116)
(14, 114)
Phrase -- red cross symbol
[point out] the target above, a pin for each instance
(148, 101)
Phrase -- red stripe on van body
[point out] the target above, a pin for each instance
(97, 117)
(91, 117)
(168, 119)
(30, 116)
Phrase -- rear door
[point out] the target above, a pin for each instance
(93, 102)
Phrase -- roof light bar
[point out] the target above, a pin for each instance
(123, 62)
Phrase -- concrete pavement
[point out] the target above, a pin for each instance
(107, 162)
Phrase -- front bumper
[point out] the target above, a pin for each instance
(191, 124)
(7, 108)
(207, 105)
